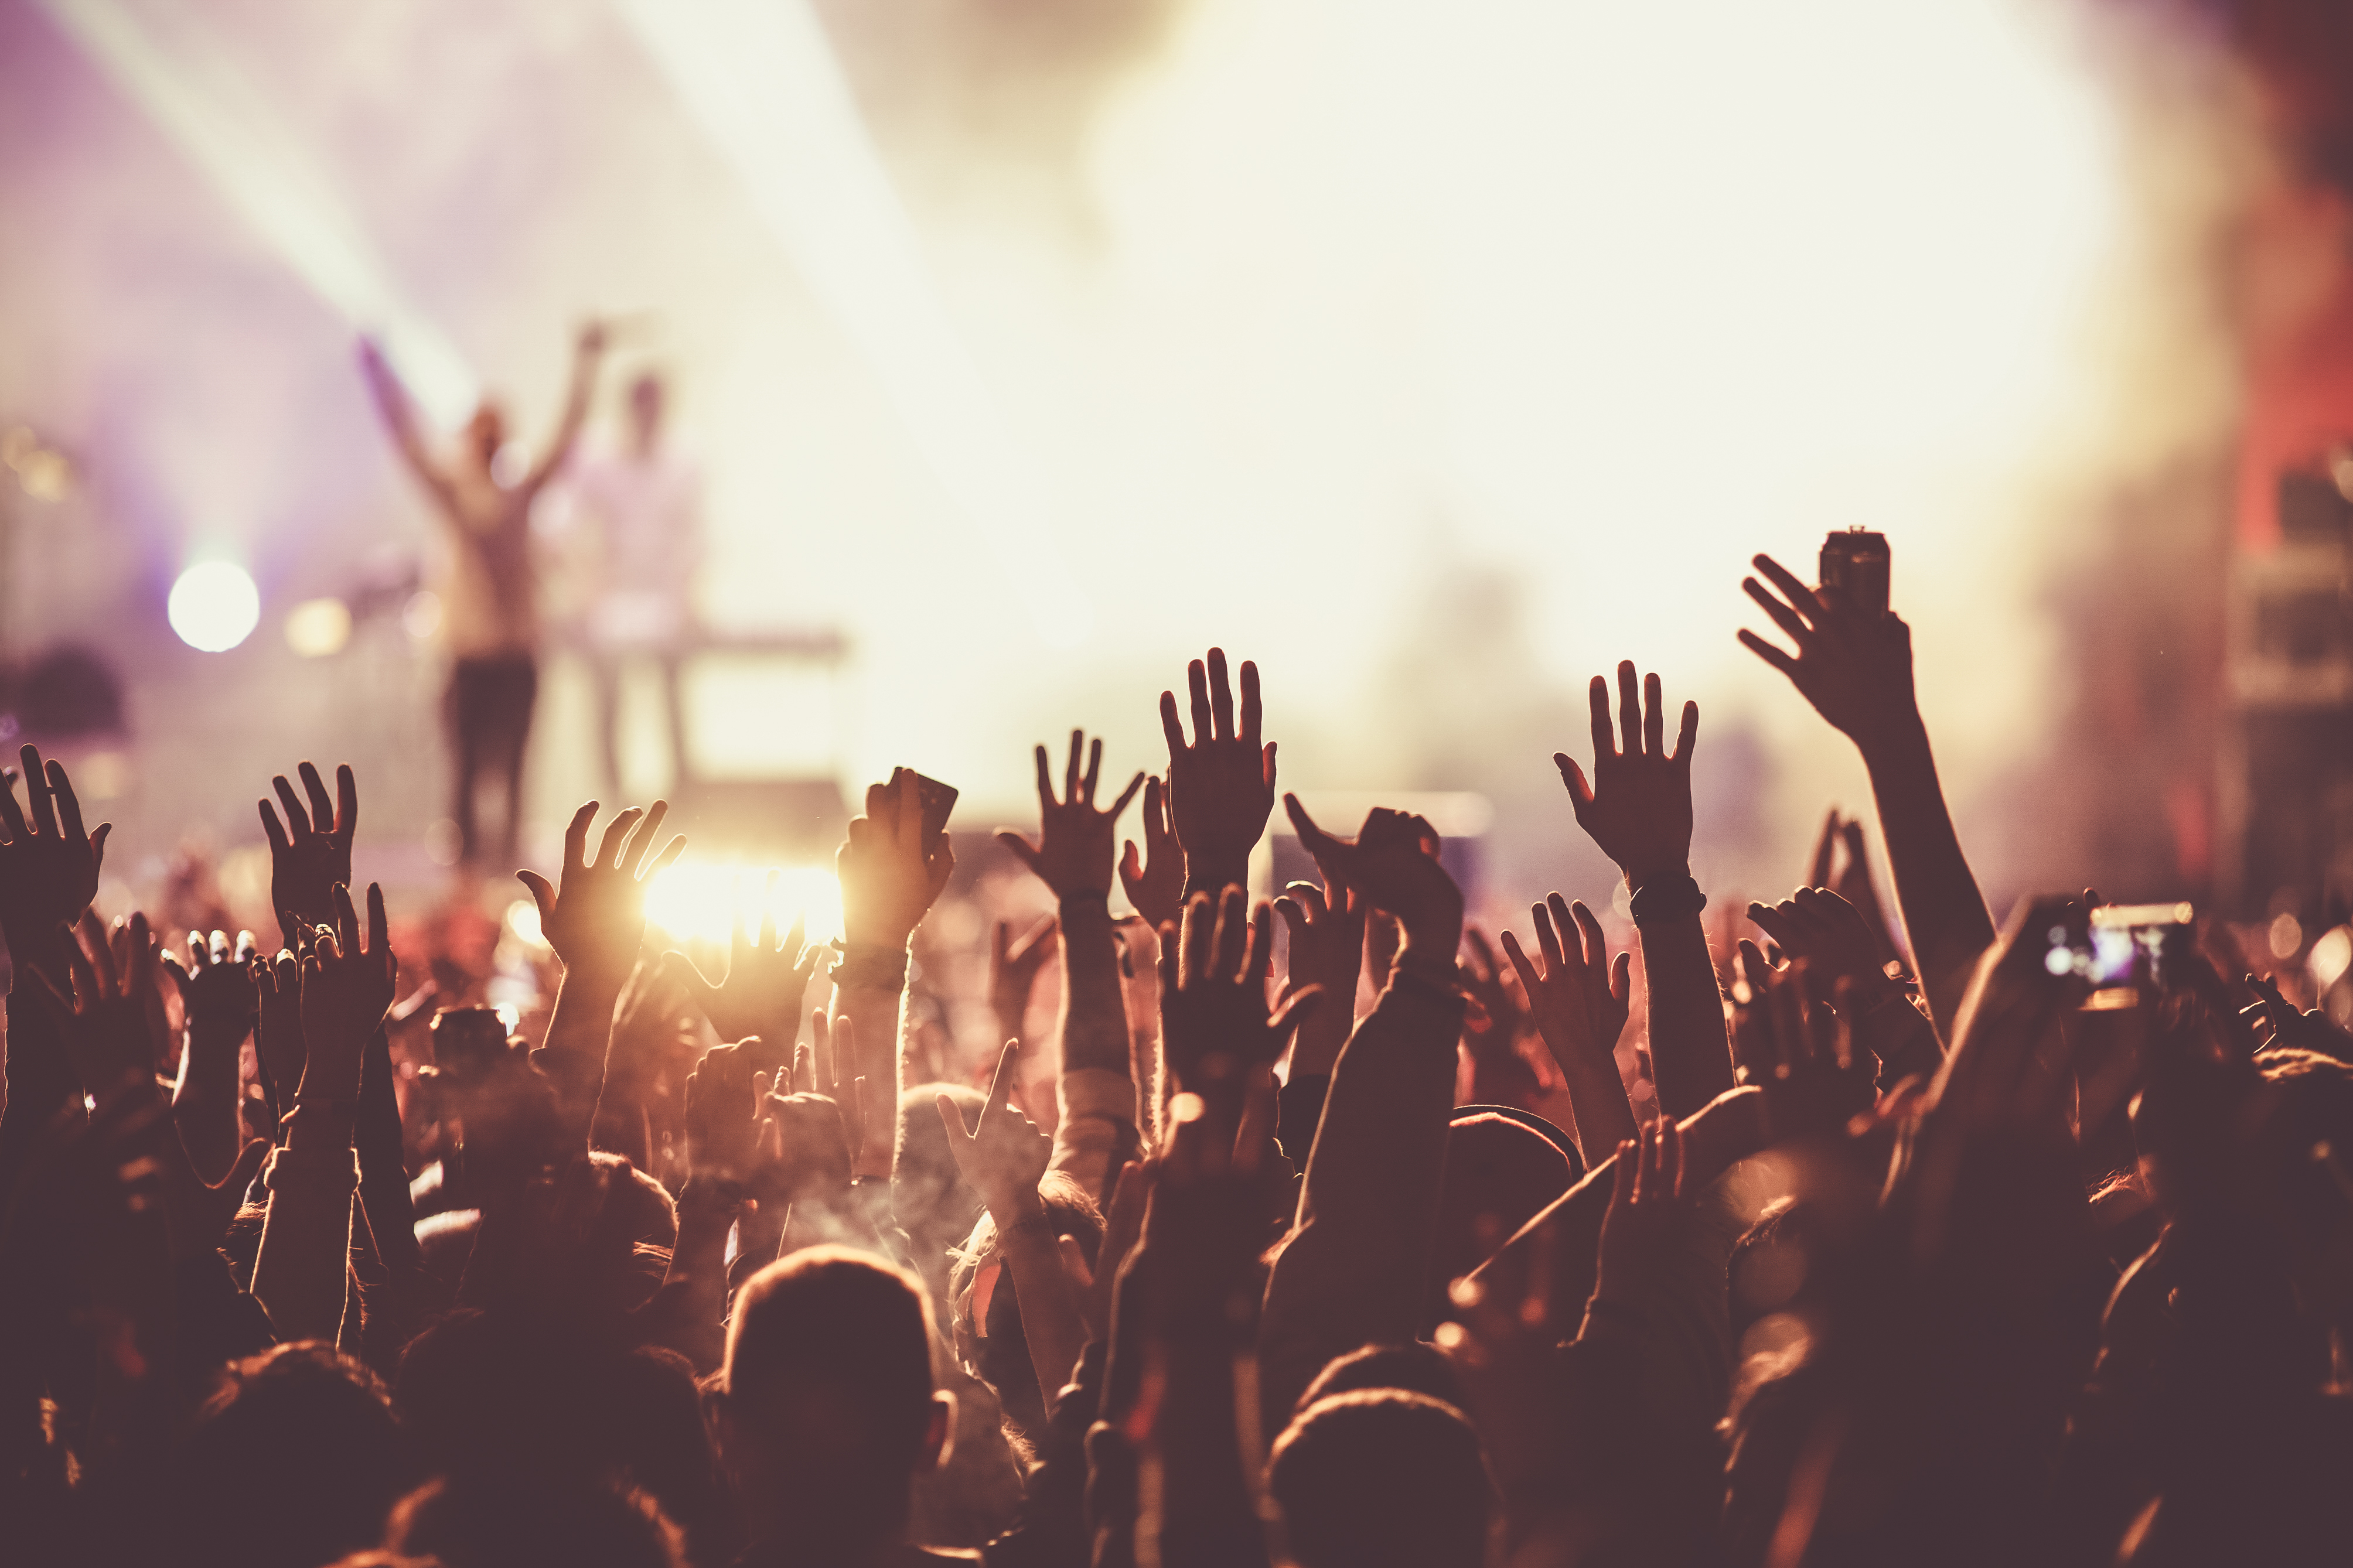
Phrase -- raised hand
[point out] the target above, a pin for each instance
(1579, 999)
(1804, 1055)
(803, 1149)
(1222, 786)
(1005, 1155)
(720, 1134)
(346, 989)
(1855, 667)
(216, 985)
(1645, 1206)
(1215, 1024)
(1637, 806)
(1392, 865)
(104, 1005)
(49, 865)
(829, 1066)
(278, 1031)
(765, 982)
(310, 851)
(1327, 951)
(889, 875)
(218, 997)
(597, 921)
(1154, 877)
(1816, 925)
(1013, 966)
(1073, 852)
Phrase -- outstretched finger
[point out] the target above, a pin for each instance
(347, 804)
(1589, 932)
(1802, 598)
(1233, 935)
(298, 820)
(1755, 970)
(1768, 653)
(1045, 783)
(1253, 709)
(68, 806)
(1548, 937)
(1196, 683)
(1787, 619)
(1629, 709)
(641, 842)
(1000, 1087)
(347, 921)
(575, 838)
(1071, 770)
(611, 846)
(1094, 771)
(1605, 741)
(314, 789)
(1686, 735)
(1171, 727)
(1125, 795)
(379, 929)
(1530, 981)
(1654, 717)
(1221, 697)
(12, 815)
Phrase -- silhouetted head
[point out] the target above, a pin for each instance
(1381, 1477)
(538, 1522)
(646, 398)
(318, 1425)
(1501, 1173)
(827, 1410)
(1416, 1368)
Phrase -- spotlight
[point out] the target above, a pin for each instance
(318, 629)
(214, 606)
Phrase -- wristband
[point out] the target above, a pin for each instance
(871, 969)
(1671, 899)
(1442, 972)
(1036, 1220)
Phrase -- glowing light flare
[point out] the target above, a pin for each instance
(2331, 955)
(760, 80)
(318, 629)
(214, 606)
(702, 900)
(162, 60)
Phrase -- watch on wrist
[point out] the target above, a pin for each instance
(1668, 898)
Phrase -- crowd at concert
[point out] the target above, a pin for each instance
(1320, 1231)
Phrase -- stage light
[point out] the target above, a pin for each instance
(317, 629)
(214, 606)
(701, 900)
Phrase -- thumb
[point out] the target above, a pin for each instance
(228, 1196)
(542, 893)
(98, 844)
(1021, 848)
(675, 966)
(952, 1119)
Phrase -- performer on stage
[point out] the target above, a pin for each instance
(643, 508)
(490, 614)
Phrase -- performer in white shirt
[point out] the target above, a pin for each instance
(643, 508)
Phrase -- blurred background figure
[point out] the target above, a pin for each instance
(640, 508)
(489, 587)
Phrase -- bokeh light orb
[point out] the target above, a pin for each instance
(214, 606)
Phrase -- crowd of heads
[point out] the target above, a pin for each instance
(1319, 1231)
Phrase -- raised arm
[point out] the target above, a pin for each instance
(1638, 808)
(1356, 1268)
(889, 877)
(1855, 667)
(298, 1275)
(587, 352)
(400, 420)
(1220, 787)
(48, 874)
(596, 922)
(1094, 1133)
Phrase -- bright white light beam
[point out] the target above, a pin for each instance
(760, 80)
(160, 59)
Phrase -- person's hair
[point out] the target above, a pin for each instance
(1500, 1174)
(929, 1196)
(319, 1426)
(536, 1522)
(1380, 1476)
(1417, 1368)
(827, 1389)
(1004, 1360)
